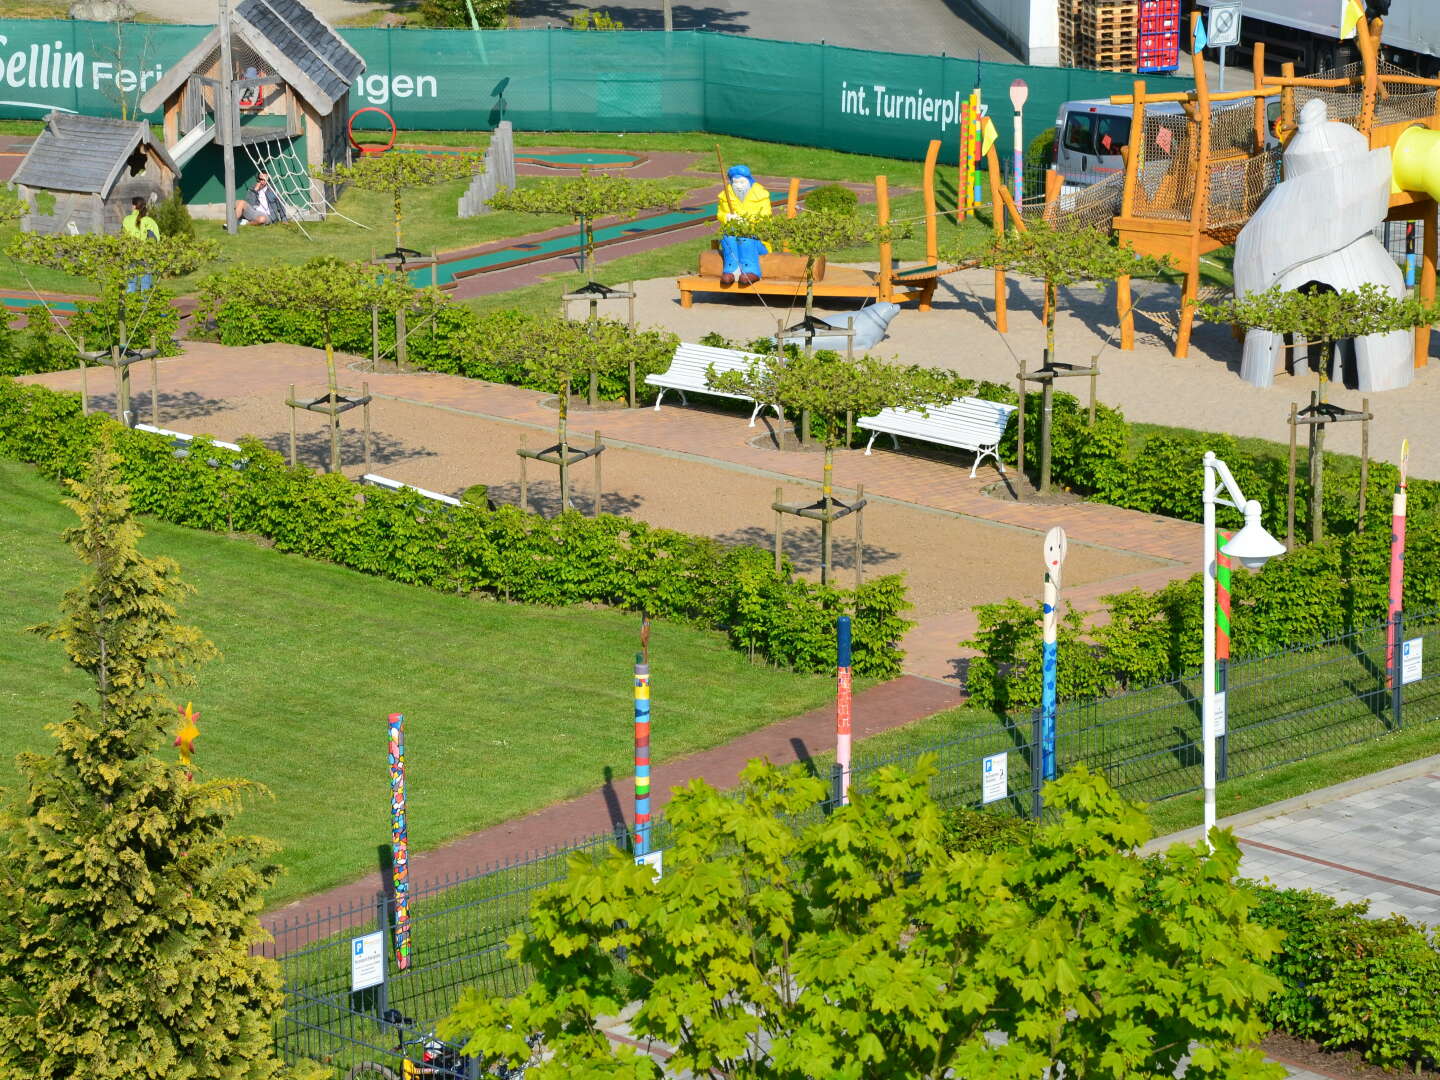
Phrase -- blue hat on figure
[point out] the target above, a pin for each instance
(738, 170)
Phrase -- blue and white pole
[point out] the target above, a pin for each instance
(1054, 558)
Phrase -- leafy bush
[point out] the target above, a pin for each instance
(489, 14)
(148, 317)
(1350, 982)
(173, 217)
(38, 348)
(835, 197)
(504, 553)
(966, 829)
(1040, 154)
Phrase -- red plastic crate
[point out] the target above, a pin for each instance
(1159, 7)
(1159, 24)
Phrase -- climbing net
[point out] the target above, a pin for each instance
(302, 196)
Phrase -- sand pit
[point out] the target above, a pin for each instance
(951, 562)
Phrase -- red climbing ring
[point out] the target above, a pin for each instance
(350, 130)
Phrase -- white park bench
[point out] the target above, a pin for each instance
(687, 373)
(385, 482)
(966, 423)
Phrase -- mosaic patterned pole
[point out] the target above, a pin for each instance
(1223, 566)
(977, 121)
(962, 178)
(1397, 565)
(843, 694)
(642, 755)
(1054, 558)
(399, 842)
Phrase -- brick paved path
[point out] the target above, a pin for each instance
(939, 481)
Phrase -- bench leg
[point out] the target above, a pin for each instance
(871, 443)
(685, 298)
(982, 454)
(755, 412)
(663, 391)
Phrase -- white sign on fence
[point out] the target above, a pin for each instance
(995, 778)
(1217, 716)
(1412, 661)
(655, 860)
(367, 961)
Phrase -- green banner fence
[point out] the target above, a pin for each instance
(886, 104)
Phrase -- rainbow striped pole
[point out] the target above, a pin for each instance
(976, 138)
(1019, 94)
(1223, 566)
(1055, 547)
(642, 755)
(399, 842)
(962, 179)
(843, 693)
(1397, 567)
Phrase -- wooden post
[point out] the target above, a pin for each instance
(524, 485)
(630, 303)
(121, 404)
(1134, 155)
(374, 337)
(84, 382)
(564, 446)
(1364, 461)
(154, 385)
(365, 409)
(593, 397)
(1287, 100)
(1020, 438)
(779, 528)
(932, 243)
(887, 250)
(292, 424)
(599, 484)
(402, 335)
(1317, 466)
(1260, 102)
(1047, 404)
(225, 116)
(1200, 154)
(804, 427)
(860, 537)
(1094, 378)
(1290, 488)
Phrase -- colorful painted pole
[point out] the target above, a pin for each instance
(843, 692)
(399, 840)
(642, 755)
(1397, 565)
(1054, 558)
(962, 176)
(1410, 254)
(977, 118)
(1019, 94)
(1223, 566)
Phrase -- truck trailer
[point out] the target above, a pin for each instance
(1308, 32)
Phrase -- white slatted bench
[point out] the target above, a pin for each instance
(395, 485)
(966, 423)
(180, 436)
(687, 373)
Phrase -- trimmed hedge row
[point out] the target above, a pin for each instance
(505, 553)
(40, 346)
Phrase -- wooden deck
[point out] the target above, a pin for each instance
(839, 281)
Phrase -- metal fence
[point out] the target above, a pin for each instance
(1283, 708)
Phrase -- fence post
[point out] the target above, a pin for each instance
(837, 787)
(382, 923)
(1037, 769)
(1397, 690)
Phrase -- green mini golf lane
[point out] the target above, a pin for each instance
(447, 273)
(563, 159)
(13, 302)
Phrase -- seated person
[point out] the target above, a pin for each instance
(741, 198)
(263, 206)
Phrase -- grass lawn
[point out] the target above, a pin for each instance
(509, 708)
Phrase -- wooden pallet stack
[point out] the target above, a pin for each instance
(1100, 34)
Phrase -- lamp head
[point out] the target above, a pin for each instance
(1252, 546)
(1019, 92)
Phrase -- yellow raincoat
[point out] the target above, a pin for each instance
(756, 203)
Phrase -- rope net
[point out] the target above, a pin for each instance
(302, 195)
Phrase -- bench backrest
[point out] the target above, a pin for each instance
(696, 359)
(973, 416)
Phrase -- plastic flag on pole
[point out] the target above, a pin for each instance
(1202, 38)
(989, 137)
(1351, 19)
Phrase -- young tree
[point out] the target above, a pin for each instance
(127, 911)
(1323, 316)
(812, 234)
(1062, 256)
(394, 173)
(779, 944)
(829, 389)
(330, 289)
(588, 197)
(113, 263)
(465, 14)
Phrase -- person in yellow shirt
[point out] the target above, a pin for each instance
(741, 198)
(139, 224)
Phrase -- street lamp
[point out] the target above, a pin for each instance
(1252, 547)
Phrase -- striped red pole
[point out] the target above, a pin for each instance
(1223, 566)
(642, 755)
(843, 692)
(1397, 566)
(399, 839)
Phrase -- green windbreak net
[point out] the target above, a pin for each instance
(887, 104)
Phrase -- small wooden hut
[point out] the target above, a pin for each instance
(287, 74)
(82, 171)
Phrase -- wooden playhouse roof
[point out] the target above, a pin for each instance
(298, 45)
(85, 153)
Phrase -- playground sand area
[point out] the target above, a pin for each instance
(1149, 385)
(951, 561)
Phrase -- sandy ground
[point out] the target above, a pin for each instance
(951, 562)
(1203, 391)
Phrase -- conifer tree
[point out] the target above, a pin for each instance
(127, 912)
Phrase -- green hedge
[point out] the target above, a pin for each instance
(1351, 982)
(41, 345)
(449, 338)
(505, 553)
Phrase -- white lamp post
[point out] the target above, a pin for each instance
(1252, 547)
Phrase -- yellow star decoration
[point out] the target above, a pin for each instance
(188, 733)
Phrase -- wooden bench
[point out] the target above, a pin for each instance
(966, 423)
(688, 373)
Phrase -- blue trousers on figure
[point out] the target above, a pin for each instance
(742, 254)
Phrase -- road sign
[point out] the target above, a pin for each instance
(1412, 666)
(1224, 25)
(995, 778)
(367, 961)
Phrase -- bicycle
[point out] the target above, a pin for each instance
(427, 1057)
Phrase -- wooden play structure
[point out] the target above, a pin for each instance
(1193, 179)
(783, 273)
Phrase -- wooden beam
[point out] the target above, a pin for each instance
(932, 156)
(1201, 171)
(887, 250)
(1260, 132)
